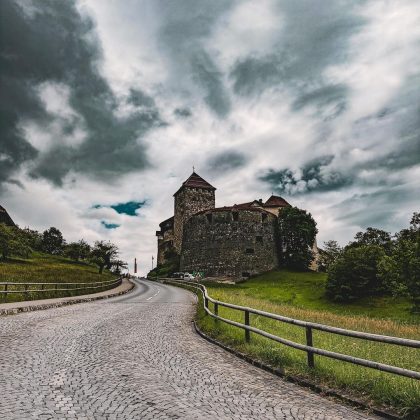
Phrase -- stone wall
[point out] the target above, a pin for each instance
(226, 242)
(189, 201)
(165, 239)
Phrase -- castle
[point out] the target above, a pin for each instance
(236, 241)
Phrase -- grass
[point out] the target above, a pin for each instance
(301, 296)
(43, 268)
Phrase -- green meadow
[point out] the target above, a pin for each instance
(43, 268)
(301, 296)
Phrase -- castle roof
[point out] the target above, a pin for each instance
(5, 218)
(276, 201)
(195, 181)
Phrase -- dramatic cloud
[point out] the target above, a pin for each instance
(107, 106)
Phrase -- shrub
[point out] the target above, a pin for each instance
(355, 274)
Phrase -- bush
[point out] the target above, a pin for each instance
(355, 274)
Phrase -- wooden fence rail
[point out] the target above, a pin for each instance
(54, 288)
(309, 327)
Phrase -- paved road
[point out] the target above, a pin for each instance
(137, 357)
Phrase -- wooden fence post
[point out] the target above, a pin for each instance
(247, 333)
(309, 343)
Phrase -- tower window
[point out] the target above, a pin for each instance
(209, 217)
(259, 239)
(249, 251)
(264, 217)
(235, 216)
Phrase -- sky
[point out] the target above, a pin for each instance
(107, 105)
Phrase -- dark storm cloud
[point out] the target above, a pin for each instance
(185, 26)
(314, 176)
(55, 44)
(376, 209)
(183, 112)
(315, 35)
(226, 161)
(139, 98)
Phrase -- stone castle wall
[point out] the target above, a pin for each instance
(229, 242)
(165, 239)
(189, 201)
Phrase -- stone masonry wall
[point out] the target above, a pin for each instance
(229, 243)
(188, 202)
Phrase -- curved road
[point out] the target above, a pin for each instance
(136, 357)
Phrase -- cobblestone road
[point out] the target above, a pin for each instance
(137, 357)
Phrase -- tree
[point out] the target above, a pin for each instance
(13, 242)
(34, 238)
(296, 236)
(103, 254)
(400, 271)
(118, 265)
(52, 241)
(355, 274)
(329, 254)
(372, 236)
(78, 250)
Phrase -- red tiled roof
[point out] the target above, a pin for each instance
(195, 181)
(276, 201)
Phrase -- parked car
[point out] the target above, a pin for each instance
(188, 276)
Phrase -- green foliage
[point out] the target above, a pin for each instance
(77, 250)
(34, 238)
(296, 236)
(329, 254)
(355, 274)
(52, 241)
(401, 270)
(372, 236)
(104, 254)
(13, 242)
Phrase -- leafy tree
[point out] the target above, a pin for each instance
(400, 271)
(13, 242)
(329, 254)
(52, 241)
(296, 236)
(104, 254)
(372, 236)
(34, 238)
(78, 250)
(118, 265)
(355, 274)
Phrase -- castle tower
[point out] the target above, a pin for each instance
(195, 195)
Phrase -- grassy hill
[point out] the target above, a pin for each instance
(301, 296)
(43, 268)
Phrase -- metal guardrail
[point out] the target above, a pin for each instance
(26, 288)
(309, 327)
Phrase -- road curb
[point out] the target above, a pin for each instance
(300, 381)
(82, 299)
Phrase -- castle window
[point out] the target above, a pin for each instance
(235, 216)
(264, 217)
(259, 239)
(249, 251)
(209, 217)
